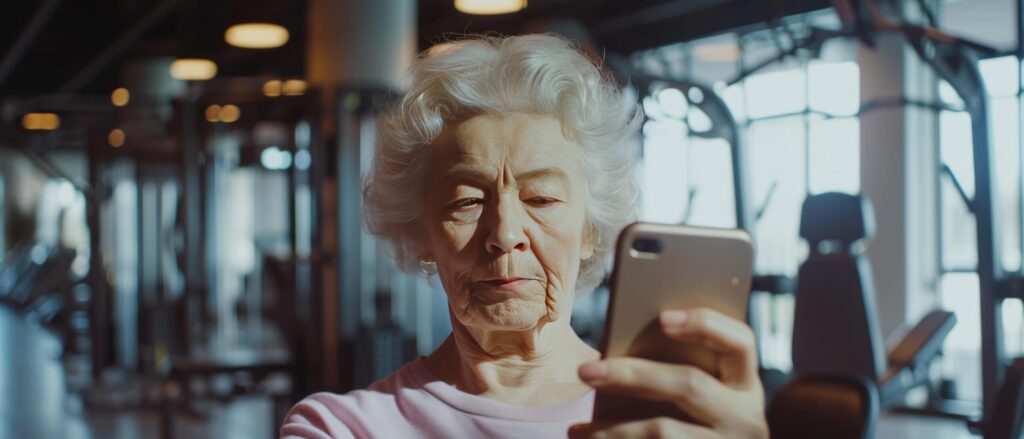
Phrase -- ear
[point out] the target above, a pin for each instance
(424, 253)
(423, 248)
(427, 256)
(589, 242)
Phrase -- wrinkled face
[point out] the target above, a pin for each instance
(505, 220)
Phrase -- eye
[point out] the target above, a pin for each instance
(542, 201)
(465, 203)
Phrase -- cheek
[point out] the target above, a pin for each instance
(455, 238)
(557, 245)
(453, 248)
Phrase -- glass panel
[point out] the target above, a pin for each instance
(955, 148)
(1000, 75)
(959, 234)
(948, 95)
(663, 171)
(1013, 311)
(835, 156)
(834, 87)
(1005, 132)
(776, 335)
(710, 169)
(958, 226)
(958, 292)
(774, 93)
(735, 100)
(777, 159)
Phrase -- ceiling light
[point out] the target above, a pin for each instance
(294, 87)
(120, 97)
(489, 7)
(213, 113)
(116, 137)
(40, 121)
(256, 35)
(193, 69)
(229, 113)
(272, 88)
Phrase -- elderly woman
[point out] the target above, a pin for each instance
(503, 171)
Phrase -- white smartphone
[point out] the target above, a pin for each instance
(661, 267)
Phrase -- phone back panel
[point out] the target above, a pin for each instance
(696, 267)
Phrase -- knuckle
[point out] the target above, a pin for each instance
(689, 382)
(748, 338)
(699, 318)
(756, 428)
(620, 372)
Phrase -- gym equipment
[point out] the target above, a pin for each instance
(824, 406)
(249, 372)
(955, 60)
(1007, 416)
(835, 327)
(36, 281)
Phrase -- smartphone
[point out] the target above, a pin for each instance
(662, 267)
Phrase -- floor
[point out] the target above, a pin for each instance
(916, 427)
(35, 402)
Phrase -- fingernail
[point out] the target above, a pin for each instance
(576, 431)
(673, 318)
(593, 371)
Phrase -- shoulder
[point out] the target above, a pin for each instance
(354, 414)
(320, 416)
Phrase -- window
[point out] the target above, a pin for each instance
(799, 119)
(959, 287)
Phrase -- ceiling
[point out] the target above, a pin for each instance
(79, 31)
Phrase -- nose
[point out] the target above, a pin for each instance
(508, 227)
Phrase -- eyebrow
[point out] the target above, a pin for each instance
(543, 173)
(465, 172)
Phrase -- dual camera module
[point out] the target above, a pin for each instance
(647, 245)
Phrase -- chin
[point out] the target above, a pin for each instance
(512, 315)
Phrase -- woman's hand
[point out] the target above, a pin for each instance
(729, 407)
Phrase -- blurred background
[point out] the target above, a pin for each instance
(180, 222)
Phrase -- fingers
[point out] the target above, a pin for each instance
(698, 394)
(730, 338)
(650, 428)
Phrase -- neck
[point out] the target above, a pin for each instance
(533, 367)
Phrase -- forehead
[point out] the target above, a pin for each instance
(519, 141)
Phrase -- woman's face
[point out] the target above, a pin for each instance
(505, 220)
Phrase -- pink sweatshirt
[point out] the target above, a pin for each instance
(412, 403)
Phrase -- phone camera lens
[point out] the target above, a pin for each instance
(647, 245)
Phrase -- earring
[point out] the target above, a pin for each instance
(428, 268)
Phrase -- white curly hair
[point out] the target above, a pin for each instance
(534, 74)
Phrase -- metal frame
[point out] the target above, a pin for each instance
(99, 307)
(354, 104)
(956, 61)
(958, 65)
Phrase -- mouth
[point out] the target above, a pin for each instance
(505, 283)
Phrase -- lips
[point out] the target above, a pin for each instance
(504, 282)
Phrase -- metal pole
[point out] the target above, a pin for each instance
(989, 270)
(99, 309)
(191, 202)
(1020, 123)
(348, 57)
